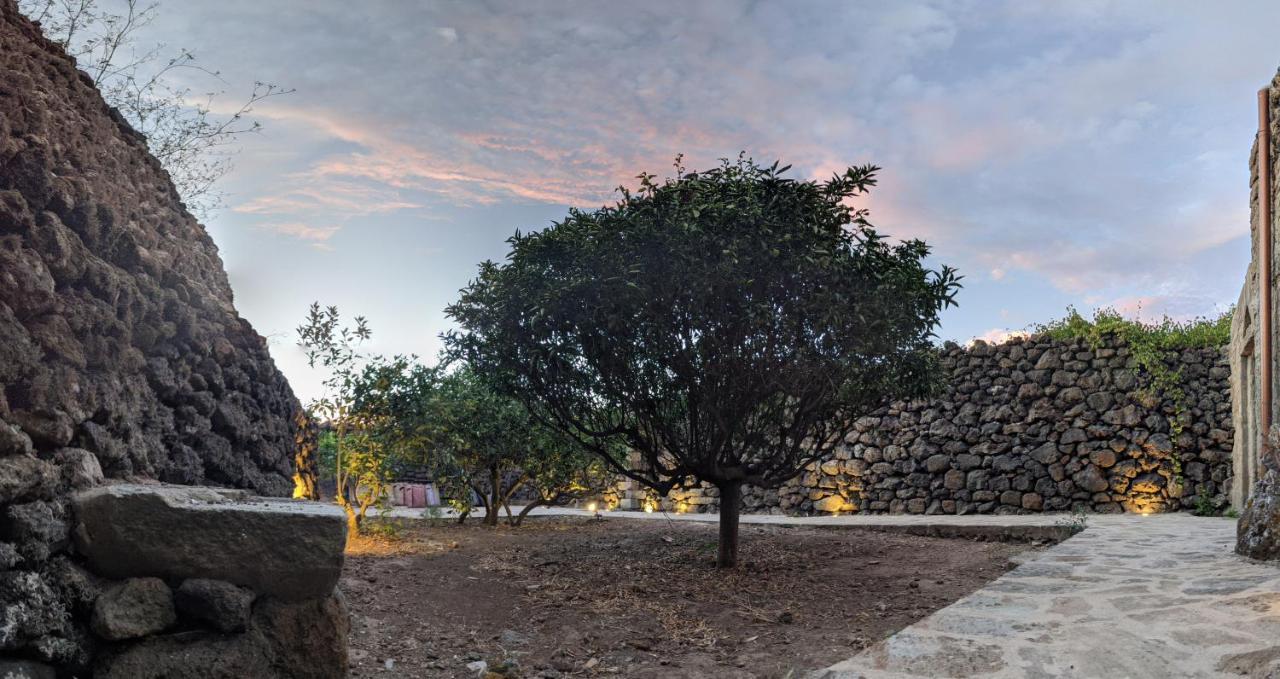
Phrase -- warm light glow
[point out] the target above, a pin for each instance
(648, 508)
(591, 506)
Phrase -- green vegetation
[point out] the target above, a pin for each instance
(358, 461)
(1204, 503)
(728, 325)
(379, 413)
(327, 447)
(489, 444)
(1165, 335)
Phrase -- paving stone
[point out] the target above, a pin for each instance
(1131, 596)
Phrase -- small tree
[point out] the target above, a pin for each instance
(333, 347)
(493, 448)
(729, 325)
(559, 470)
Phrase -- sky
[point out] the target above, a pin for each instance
(1087, 153)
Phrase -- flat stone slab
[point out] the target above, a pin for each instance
(288, 549)
(1132, 596)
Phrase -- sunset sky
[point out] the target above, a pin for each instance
(1084, 152)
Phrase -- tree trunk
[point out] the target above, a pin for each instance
(495, 497)
(506, 501)
(353, 519)
(484, 500)
(525, 512)
(730, 507)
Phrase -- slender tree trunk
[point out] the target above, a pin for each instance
(353, 519)
(538, 502)
(495, 496)
(484, 500)
(730, 507)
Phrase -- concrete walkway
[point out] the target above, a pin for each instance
(1130, 597)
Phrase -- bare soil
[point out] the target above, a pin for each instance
(575, 597)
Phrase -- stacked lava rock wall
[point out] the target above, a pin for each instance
(120, 350)
(1031, 425)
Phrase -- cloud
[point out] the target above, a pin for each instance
(998, 336)
(1089, 151)
(336, 199)
(315, 236)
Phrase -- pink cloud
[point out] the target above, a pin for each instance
(316, 236)
(998, 336)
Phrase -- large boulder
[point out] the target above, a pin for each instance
(284, 640)
(133, 608)
(30, 609)
(25, 669)
(308, 639)
(216, 603)
(288, 549)
(24, 477)
(191, 655)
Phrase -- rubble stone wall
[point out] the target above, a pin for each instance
(121, 353)
(1027, 426)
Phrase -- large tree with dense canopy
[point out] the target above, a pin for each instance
(729, 325)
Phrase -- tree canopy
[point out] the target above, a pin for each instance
(729, 325)
(488, 444)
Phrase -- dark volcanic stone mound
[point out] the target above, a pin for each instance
(117, 329)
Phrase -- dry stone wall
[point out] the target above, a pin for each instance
(121, 357)
(203, 582)
(1027, 426)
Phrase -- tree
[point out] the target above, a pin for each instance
(334, 348)
(180, 127)
(729, 325)
(490, 446)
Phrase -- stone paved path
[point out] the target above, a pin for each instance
(1130, 597)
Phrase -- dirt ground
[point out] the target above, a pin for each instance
(576, 597)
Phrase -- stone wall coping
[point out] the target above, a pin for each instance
(288, 549)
